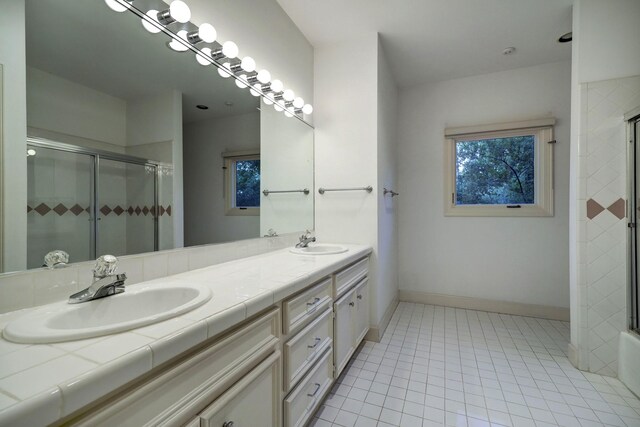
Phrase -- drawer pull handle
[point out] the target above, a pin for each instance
(316, 343)
(315, 391)
(351, 304)
(359, 296)
(228, 424)
(315, 301)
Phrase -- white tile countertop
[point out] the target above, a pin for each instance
(42, 383)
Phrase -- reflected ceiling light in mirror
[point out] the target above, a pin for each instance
(31, 152)
(298, 103)
(288, 95)
(248, 64)
(149, 26)
(307, 109)
(277, 86)
(178, 11)
(206, 52)
(256, 90)
(176, 45)
(119, 5)
(288, 114)
(206, 33)
(230, 49)
(225, 70)
(264, 76)
(240, 81)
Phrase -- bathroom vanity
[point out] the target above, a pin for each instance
(268, 360)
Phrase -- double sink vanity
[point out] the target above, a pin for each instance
(254, 342)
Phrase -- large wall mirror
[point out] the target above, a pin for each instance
(117, 120)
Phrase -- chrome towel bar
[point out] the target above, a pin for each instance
(267, 192)
(368, 189)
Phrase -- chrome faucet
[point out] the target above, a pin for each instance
(105, 281)
(305, 239)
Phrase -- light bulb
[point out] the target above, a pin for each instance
(307, 109)
(207, 33)
(255, 89)
(278, 107)
(225, 71)
(153, 15)
(203, 61)
(288, 114)
(230, 49)
(176, 45)
(180, 11)
(277, 86)
(248, 64)
(268, 100)
(117, 6)
(298, 102)
(264, 76)
(31, 151)
(288, 95)
(240, 83)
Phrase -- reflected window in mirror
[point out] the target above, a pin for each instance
(243, 185)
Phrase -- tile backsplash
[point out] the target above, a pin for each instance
(40, 286)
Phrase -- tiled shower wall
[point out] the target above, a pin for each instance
(602, 223)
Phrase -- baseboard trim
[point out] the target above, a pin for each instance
(505, 307)
(376, 332)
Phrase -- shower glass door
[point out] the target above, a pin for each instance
(634, 292)
(126, 207)
(59, 204)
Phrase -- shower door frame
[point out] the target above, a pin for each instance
(96, 155)
(632, 120)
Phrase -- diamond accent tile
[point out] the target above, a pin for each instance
(118, 210)
(42, 209)
(76, 209)
(60, 209)
(161, 210)
(168, 210)
(145, 211)
(618, 208)
(29, 208)
(138, 210)
(593, 208)
(130, 210)
(105, 210)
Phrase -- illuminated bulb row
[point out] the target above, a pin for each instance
(273, 91)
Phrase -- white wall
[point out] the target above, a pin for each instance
(14, 111)
(523, 260)
(286, 155)
(60, 105)
(150, 119)
(204, 143)
(387, 177)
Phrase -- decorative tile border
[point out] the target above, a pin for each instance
(60, 209)
(617, 208)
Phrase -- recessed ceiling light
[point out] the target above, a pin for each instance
(202, 107)
(566, 38)
(228, 104)
(509, 51)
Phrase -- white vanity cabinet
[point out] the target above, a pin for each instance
(351, 309)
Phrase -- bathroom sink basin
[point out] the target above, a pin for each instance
(137, 306)
(320, 249)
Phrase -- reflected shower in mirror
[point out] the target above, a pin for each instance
(134, 147)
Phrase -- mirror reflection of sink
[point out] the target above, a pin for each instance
(320, 249)
(138, 306)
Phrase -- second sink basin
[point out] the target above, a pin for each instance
(138, 306)
(320, 249)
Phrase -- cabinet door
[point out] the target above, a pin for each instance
(252, 401)
(362, 311)
(343, 327)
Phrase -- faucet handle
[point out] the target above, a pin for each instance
(105, 266)
(56, 259)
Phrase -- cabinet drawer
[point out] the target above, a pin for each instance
(350, 276)
(300, 309)
(301, 351)
(303, 401)
(252, 401)
(184, 389)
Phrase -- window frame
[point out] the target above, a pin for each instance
(230, 185)
(542, 130)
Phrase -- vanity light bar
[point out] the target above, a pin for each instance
(223, 56)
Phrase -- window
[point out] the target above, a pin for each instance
(500, 170)
(242, 189)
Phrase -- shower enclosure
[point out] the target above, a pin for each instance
(634, 201)
(89, 202)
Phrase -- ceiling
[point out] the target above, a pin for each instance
(87, 43)
(433, 40)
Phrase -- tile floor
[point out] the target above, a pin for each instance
(439, 366)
